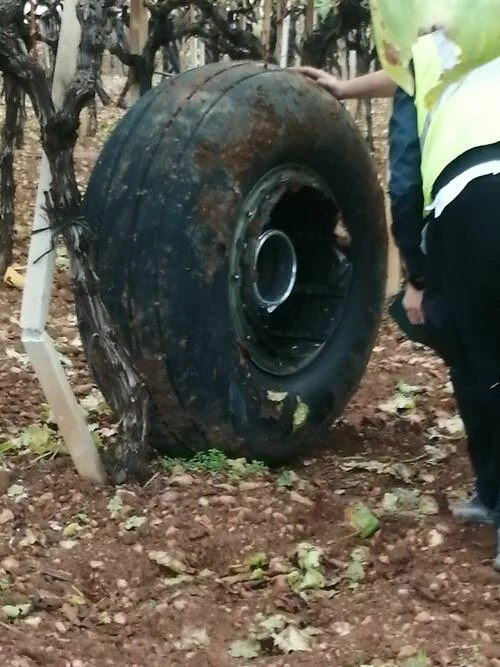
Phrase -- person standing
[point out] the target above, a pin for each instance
(454, 287)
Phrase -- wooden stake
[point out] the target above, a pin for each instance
(138, 35)
(266, 29)
(310, 17)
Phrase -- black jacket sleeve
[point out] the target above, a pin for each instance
(405, 184)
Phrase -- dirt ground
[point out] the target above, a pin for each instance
(199, 567)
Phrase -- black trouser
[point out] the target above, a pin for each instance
(462, 310)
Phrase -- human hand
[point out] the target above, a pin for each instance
(330, 83)
(412, 303)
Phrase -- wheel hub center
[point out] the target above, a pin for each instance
(275, 269)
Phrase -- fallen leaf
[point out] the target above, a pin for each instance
(276, 396)
(16, 492)
(245, 648)
(284, 481)
(274, 623)
(167, 561)
(408, 389)
(401, 500)
(312, 580)
(397, 404)
(170, 582)
(300, 415)
(193, 638)
(29, 539)
(255, 560)
(134, 522)
(361, 518)
(453, 426)
(13, 611)
(71, 529)
(104, 618)
(42, 441)
(292, 640)
(308, 556)
(428, 505)
(115, 504)
(76, 600)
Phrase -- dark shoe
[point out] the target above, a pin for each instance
(474, 511)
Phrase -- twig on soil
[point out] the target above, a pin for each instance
(151, 479)
(58, 576)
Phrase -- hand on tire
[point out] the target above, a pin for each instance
(328, 82)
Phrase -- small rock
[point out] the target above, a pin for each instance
(444, 659)
(5, 480)
(6, 515)
(342, 628)
(298, 498)
(10, 564)
(121, 583)
(252, 486)
(68, 544)
(169, 497)
(182, 480)
(96, 564)
(120, 618)
(229, 488)
(423, 617)
(60, 627)
(434, 538)
(33, 621)
(278, 565)
(280, 584)
(407, 651)
(225, 500)
(203, 502)
(179, 605)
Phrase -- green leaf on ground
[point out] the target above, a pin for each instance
(13, 611)
(256, 560)
(284, 481)
(308, 575)
(362, 519)
(16, 492)
(408, 389)
(292, 640)
(276, 396)
(71, 529)
(115, 504)
(397, 404)
(245, 648)
(134, 522)
(300, 415)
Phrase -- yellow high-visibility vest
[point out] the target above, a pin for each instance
(465, 115)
